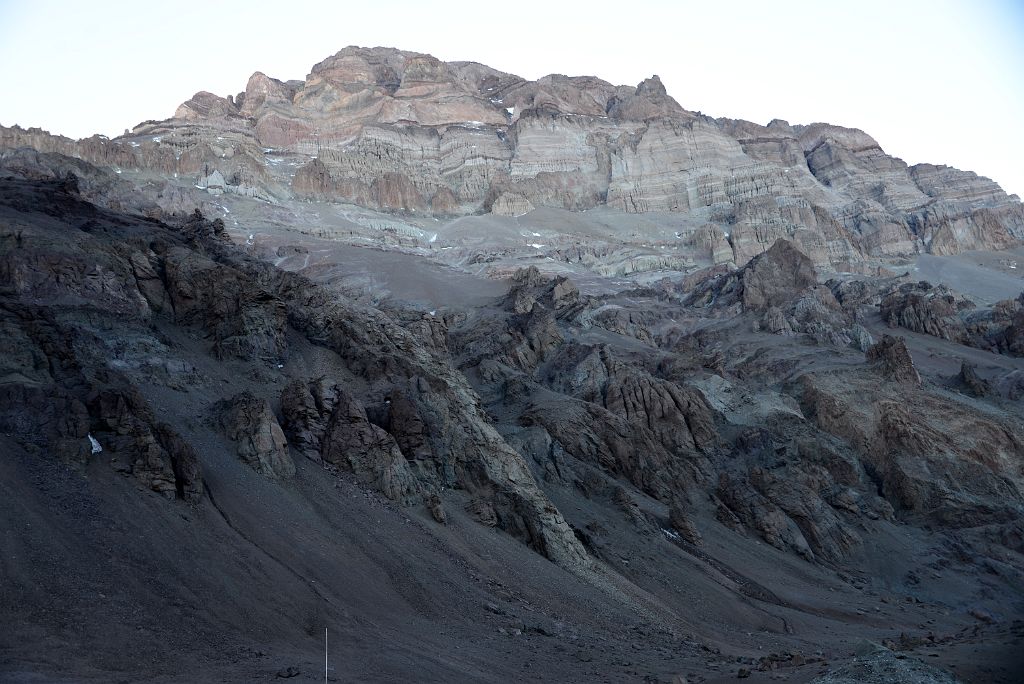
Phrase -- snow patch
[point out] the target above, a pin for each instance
(433, 238)
(96, 448)
(670, 534)
(510, 110)
(535, 245)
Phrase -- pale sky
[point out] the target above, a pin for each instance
(933, 81)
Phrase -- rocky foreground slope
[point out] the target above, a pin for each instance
(404, 132)
(209, 460)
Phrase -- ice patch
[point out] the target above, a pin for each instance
(535, 234)
(96, 448)
(156, 138)
(433, 238)
(535, 245)
(670, 534)
(433, 312)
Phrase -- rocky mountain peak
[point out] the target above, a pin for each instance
(406, 133)
(652, 87)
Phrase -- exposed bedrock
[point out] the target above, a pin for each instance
(404, 132)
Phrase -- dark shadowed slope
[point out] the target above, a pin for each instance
(676, 482)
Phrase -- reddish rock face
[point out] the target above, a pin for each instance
(401, 131)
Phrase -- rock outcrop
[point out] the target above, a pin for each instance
(971, 383)
(186, 276)
(259, 439)
(943, 313)
(891, 357)
(329, 425)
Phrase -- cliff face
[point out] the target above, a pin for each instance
(401, 131)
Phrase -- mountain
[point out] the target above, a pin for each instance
(499, 380)
(405, 132)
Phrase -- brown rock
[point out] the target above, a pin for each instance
(259, 440)
(890, 355)
(776, 277)
(926, 309)
(307, 408)
(436, 508)
(353, 442)
(184, 461)
(682, 524)
(483, 512)
(973, 384)
(406, 424)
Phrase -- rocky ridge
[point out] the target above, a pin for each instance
(404, 132)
